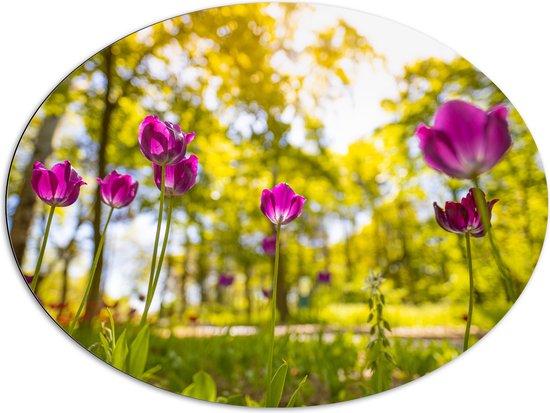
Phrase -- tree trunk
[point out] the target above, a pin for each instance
(94, 301)
(350, 229)
(67, 258)
(407, 274)
(184, 263)
(202, 265)
(326, 248)
(248, 291)
(165, 288)
(22, 217)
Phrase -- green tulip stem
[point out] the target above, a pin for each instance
(471, 300)
(155, 249)
(505, 277)
(92, 274)
(42, 249)
(163, 248)
(273, 315)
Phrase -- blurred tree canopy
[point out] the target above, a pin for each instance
(240, 77)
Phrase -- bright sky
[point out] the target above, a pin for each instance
(359, 116)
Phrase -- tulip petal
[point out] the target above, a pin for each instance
(499, 111)
(62, 172)
(47, 187)
(439, 153)
(41, 184)
(71, 197)
(295, 209)
(457, 217)
(464, 124)
(283, 195)
(132, 194)
(189, 137)
(267, 205)
(469, 204)
(156, 144)
(440, 215)
(187, 175)
(441, 218)
(490, 205)
(119, 190)
(498, 140)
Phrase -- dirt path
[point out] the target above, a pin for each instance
(427, 333)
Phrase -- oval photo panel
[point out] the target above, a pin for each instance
(276, 205)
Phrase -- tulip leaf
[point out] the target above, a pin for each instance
(112, 323)
(236, 400)
(150, 373)
(251, 403)
(120, 352)
(277, 385)
(106, 347)
(292, 401)
(203, 387)
(139, 350)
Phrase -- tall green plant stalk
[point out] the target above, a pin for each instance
(92, 274)
(273, 315)
(379, 356)
(471, 299)
(505, 276)
(150, 290)
(161, 256)
(34, 282)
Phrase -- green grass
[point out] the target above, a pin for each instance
(336, 368)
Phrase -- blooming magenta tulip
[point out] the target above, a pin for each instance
(465, 141)
(269, 244)
(59, 186)
(163, 143)
(281, 205)
(117, 190)
(225, 280)
(180, 177)
(324, 277)
(463, 217)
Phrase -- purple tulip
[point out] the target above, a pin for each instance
(28, 279)
(117, 190)
(163, 143)
(465, 141)
(269, 245)
(58, 187)
(180, 177)
(281, 205)
(324, 277)
(225, 280)
(463, 217)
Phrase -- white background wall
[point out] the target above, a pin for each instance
(41, 368)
